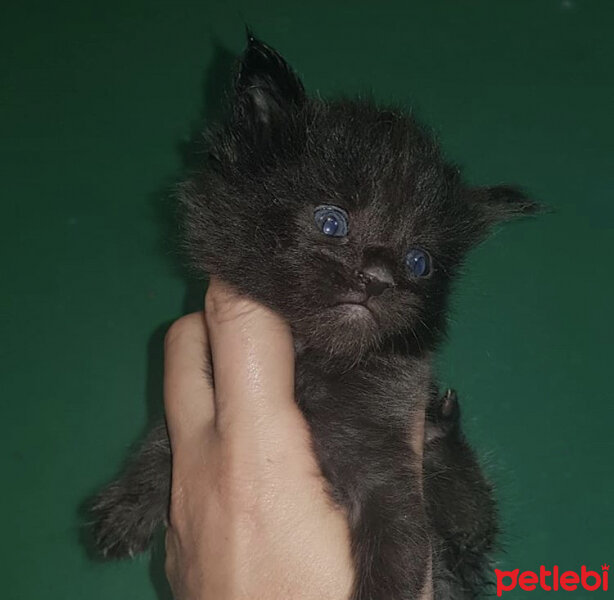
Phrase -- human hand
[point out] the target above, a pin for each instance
(250, 517)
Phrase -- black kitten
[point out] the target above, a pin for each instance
(344, 217)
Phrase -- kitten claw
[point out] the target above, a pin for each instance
(443, 416)
(449, 407)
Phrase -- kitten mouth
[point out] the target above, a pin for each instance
(355, 306)
(353, 297)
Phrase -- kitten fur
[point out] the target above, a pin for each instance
(365, 328)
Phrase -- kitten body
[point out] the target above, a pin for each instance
(367, 307)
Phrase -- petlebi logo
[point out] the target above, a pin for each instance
(552, 580)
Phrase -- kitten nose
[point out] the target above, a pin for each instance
(376, 279)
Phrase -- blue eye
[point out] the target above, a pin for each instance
(331, 221)
(418, 262)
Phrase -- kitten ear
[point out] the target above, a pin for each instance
(496, 204)
(266, 87)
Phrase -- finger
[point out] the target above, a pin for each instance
(417, 432)
(253, 358)
(171, 568)
(188, 393)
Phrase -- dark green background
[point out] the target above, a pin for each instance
(95, 101)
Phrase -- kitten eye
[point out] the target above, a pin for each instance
(418, 262)
(331, 221)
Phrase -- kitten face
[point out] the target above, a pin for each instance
(342, 216)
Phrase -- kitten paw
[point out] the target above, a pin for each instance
(121, 526)
(443, 416)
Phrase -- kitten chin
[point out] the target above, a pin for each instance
(342, 334)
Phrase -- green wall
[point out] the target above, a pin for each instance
(96, 103)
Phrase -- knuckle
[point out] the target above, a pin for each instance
(239, 489)
(225, 305)
(175, 509)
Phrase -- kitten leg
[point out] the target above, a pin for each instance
(459, 504)
(127, 512)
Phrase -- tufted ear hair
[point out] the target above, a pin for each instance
(496, 204)
(267, 90)
(264, 123)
